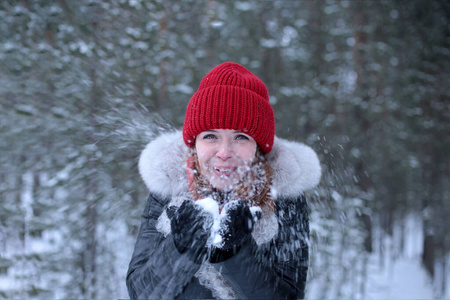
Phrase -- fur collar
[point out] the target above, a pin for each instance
(296, 167)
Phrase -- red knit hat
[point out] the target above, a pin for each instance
(231, 97)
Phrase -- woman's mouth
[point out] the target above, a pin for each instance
(224, 171)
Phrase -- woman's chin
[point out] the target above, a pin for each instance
(224, 185)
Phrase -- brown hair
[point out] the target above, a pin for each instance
(254, 187)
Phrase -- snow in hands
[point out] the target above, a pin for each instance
(220, 218)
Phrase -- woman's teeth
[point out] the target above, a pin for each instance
(224, 170)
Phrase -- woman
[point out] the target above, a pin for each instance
(226, 217)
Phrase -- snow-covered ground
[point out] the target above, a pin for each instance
(403, 279)
(403, 276)
(393, 270)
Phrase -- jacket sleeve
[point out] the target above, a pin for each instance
(276, 270)
(157, 270)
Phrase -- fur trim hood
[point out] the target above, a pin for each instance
(296, 167)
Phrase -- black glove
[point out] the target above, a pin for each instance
(235, 228)
(191, 226)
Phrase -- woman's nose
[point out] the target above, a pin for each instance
(224, 150)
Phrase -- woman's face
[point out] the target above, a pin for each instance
(224, 156)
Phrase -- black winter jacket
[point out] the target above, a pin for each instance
(271, 265)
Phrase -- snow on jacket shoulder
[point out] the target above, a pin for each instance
(157, 270)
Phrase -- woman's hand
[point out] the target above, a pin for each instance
(191, 226)
(237, 225)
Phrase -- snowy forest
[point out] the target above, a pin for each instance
(85, 84)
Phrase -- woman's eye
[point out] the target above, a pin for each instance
(241, 137)
(209, 137)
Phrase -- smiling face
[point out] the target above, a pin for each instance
(224, 156)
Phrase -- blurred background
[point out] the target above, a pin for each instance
(85, 84)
